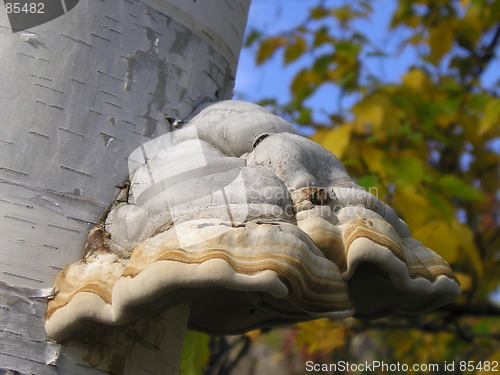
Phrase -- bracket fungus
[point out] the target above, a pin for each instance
(250, 224)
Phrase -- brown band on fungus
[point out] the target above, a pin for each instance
(327, 237)
(309, 280)
(389, 239)
(95, 288)
(325, 296)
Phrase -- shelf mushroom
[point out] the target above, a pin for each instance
(251, 225)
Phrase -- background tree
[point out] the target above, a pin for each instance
(427, 144)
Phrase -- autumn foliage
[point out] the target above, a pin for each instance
(428, 145)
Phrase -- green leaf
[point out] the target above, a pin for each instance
(427, 112)
(491, 116)
(478, 102)
(441, 39)
(442, 207)
(465, 65)
(348, 48)
(268, 46)
(252, 37)
(295, 50)
(348, 78)
(304, 83)
(344, 14)
(304, 116)
(368, 182)
(195, 353)
(402, 14)
(451, 104)
(406, 170)
(319, 12)
(457, 187)
(322, 63)
(322, 36)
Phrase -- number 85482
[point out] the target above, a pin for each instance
(32, 8)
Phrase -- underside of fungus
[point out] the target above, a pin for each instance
(251, 225)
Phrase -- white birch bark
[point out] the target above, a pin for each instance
(77, 96)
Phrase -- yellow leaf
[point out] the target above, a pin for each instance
(303, 81)
(441, 38)
(471, 25)
(344, 14)
(469, 124)
(413, 207)
(378, 111)
(451, 240)
(254, 335)
(465, 281)
(321, 335)
(374, 159)
(467, 246)
(438, 236)
(413, 21)
(491, 117)
(295, 50)
(336, 140)
(416, 79)
(268, 46)
(369, 112)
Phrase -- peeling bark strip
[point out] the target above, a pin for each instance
(77, 95)
(23, 343)
(25, 349)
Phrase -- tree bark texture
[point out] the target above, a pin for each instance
(77, 95)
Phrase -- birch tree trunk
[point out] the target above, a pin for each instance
(77, 95)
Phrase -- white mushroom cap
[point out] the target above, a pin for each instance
(251, 225)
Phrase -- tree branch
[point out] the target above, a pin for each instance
(472, 310)
(487, 54)
(460, 331)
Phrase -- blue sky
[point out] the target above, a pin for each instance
(272, 78)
